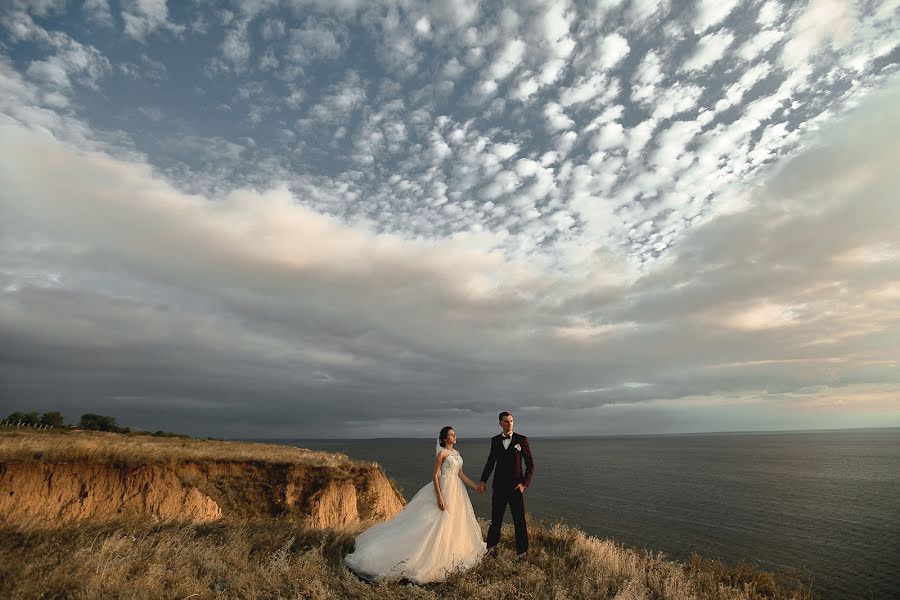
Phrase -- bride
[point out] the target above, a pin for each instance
(434, 535)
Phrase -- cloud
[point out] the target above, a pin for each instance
(423, 26)
(831, 20)
(507, 60)
(251, 9)
(709, 50)
(505, 151)
(584, 89)
(144, 68)
(556, 118)
(214, 149)
(98, 12)
(646, 78)
(396, 42)
(456, 14)
(341, 101)
(152, 113)
(736, 91)
(611, 50)
(676, 100)
(712, 12)
(638, 136)
(763, 316)
(236, 47)
(565, 142)
(272, 29)
(453, 69)
(144, 17)
(769, 12)
(527, 86)
(759, 44)
(316, 40)
(643, 10)
(504, 183)
(553, 23)
(550, 34)
(248, 232)
(39, 8)
(72, 62)
(611, 135)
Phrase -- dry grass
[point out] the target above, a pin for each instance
(277, 558)
(130, 449)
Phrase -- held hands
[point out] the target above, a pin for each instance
(482, 487)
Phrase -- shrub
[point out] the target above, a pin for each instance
(52, 418)
(101, 423)
(161, 433)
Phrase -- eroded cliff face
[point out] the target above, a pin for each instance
(40, 493)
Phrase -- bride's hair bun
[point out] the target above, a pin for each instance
(442, 436)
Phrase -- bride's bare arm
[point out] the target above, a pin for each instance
(467, 481)
(438, 461)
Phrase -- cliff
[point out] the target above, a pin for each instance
(52, 479)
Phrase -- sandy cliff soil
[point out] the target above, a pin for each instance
(52, 491)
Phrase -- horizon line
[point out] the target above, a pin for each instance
(608, 435)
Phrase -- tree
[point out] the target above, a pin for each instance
(13, 418)
(26, 418)
(101, 423)
(52, 418)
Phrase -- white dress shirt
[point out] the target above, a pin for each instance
(507, 441)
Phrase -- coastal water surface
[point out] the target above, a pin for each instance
(824, 502)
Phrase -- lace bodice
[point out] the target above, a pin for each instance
(452, 464)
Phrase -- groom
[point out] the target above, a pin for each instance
(508, 451)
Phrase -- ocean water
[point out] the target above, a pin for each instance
(826, 503)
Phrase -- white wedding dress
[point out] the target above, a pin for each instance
(423, 543)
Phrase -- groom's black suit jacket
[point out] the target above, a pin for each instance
(509, 462)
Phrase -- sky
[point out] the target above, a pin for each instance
(300, 218)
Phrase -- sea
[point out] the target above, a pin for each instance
(824, 505)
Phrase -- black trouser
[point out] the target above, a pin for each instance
(502, 496)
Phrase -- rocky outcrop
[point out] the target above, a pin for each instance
(36, 493)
